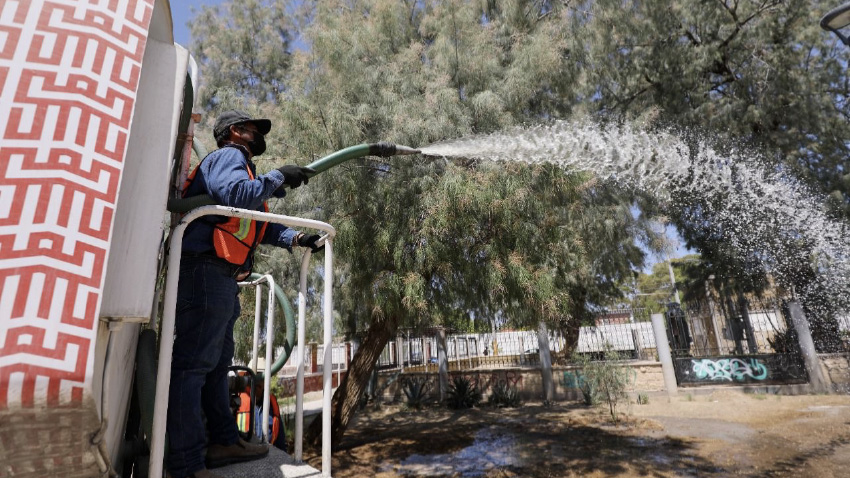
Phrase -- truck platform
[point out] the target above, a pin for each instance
(277, 465)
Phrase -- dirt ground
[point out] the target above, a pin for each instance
(718, 434)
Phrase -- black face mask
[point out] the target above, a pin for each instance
(258, 145)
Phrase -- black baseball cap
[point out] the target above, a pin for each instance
(231, 117)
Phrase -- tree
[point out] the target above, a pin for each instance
(754, 74)
(653, 291)
(429, 242)
(762, 72)
(243, 49)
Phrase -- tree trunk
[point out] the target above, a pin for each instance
(570, 333)
(545, 362)
(347, 396)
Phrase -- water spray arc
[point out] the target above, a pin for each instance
(763, 212)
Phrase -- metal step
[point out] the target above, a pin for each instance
(277, 465)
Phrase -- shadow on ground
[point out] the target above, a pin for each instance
(532, 441)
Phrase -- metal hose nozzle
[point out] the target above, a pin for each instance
(389, 149)
(399, 149)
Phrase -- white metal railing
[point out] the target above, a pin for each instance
(258, 286)
(163, 376)
(327, 377)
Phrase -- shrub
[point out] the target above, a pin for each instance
(604, 380)
(588, 387)
(416, 390)
(503, 396)
(463, 394)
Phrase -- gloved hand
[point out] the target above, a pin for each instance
(304, 240)
(294, 176)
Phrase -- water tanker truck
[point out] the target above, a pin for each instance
(96, 109)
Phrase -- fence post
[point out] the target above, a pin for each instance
(807, 348)
(400, 356)
(639, 354)
(663, 349)
(314, 358)
(744, 305)
(545, 362)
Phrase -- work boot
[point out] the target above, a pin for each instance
(220, 455)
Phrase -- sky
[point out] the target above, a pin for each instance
(181, 12)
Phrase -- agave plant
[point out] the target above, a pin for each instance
(463, 393)
(503, 395)
(416, 390)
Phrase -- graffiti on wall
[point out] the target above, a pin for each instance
(572, 380)
(730, 369)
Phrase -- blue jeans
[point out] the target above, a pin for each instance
(207, 308)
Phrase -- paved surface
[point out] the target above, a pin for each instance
(278, 464)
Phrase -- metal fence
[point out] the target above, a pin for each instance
(729, 327)
(314, 359)
(627, 332)
(507, 348)
(624, 331)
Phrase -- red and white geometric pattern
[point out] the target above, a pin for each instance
(69, 71)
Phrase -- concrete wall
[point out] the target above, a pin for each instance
(644, 377)
(836, 367)
(312, 383)
(71, 74)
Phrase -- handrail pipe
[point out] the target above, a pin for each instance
(169, 308)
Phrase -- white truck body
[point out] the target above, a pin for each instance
(91, 94)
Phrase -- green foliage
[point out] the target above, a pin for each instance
(653, 291)
(757, 76)
(761, 72)
(503, 395)
(416, 390)
(604, 380)
(643, 399)
(243, 49)
(425, 241)
(463, 393)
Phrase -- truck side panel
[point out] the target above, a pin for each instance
(69, 74)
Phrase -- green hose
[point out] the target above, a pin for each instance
(184, 205)
(341, 156)
(290, 328)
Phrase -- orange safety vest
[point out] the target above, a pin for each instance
(244, 414)
(235, 238)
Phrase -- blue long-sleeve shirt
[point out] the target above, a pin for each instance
(224, 176)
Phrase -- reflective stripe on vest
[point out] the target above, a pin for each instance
(235, 238)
